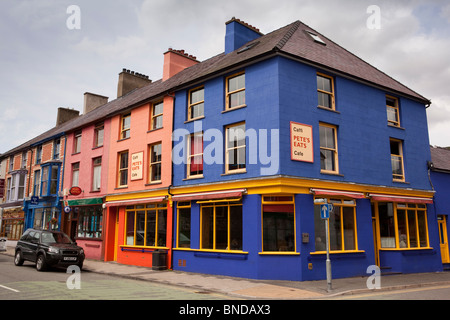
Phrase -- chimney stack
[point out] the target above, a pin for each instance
(130, 80)
(66, 114)
(176, 61)
(93, 101)
(239, 33)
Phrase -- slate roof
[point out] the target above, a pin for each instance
(291, 41)
(440, 158)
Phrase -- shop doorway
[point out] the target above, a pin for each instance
(443, 238)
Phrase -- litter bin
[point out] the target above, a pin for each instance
(2, 244)
(159, 258)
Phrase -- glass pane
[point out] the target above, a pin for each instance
(324, 83)
(326, 137)
(237, 99)
(140, 228)
(327, 160)
(184, 228)
(236, 136)
(221, 228)
(236, 83)
(412, 227)
(349, 228)
(162, 226)
(156, 172)
(158, 109)
(402, 231)
(130, 228)
(207, 228)
(335, 229)
(397, 168)
(236, 227)
(319, 230)
(151, 228)
(124, 160)
(197, 96)
(387, 229)
(197, 110)
(423, 236)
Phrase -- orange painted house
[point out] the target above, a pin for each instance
(139, 217)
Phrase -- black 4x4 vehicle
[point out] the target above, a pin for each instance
(48, 248)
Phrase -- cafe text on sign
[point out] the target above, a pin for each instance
(137, 165)
(301, 142)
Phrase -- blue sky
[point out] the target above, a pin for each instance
(45, 65)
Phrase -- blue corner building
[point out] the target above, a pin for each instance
(279, 124)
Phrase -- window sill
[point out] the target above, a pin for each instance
(123, 139)
(153, 183)
(394, 126)
(97, 147)
(331, 173)
(400, 181)
(120, 187)
(328, 109)
(212, 251)
(234, 108)
(193, 178)
(153, 130)
(406, 249)
(337, 252)
(279, 253)
(233, 172)
(194, 119)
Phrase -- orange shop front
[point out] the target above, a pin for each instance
(135, 228)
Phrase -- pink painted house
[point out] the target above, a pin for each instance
(85, 179)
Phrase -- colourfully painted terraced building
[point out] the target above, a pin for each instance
(222, 165)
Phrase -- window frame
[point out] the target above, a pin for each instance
(95, 165)
(50, 179)
(77, 136)
(228, 149)
(191, 156)
(337, 203)
(184, 206)
(400, 156)
(124, 170)
(56, 149)
(125, 129)
(215, 204)
(228, 93)
(76, 170)
(157, 207)
(278, 200)
(154, 117)
(99, 127)
(152, 164)
(335, 151)
(195, 104)
(407, 208)
(331, 94)
(395, 109)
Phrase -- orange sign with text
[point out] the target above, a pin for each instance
(301, 142)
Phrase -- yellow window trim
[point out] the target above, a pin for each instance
(228, 93)
(333, 104)
(190, 104)
(335, 151)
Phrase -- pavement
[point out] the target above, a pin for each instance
(240, 288)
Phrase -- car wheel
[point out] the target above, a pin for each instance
(41, 265)
(18, 259)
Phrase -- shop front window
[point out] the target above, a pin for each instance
(184, 225)
(403, 226)
(146, 225)
(278, 223)
(341, 226)
(89, 222)
(221, 226)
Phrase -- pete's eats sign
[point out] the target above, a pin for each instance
(301, 142)
(137, 165)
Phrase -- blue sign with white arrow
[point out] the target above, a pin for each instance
(325, 210)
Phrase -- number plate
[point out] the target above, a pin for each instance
(70, 258)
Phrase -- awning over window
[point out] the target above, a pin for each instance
(391, 198)
(338, 193)
(209, 195)
(134, 201)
